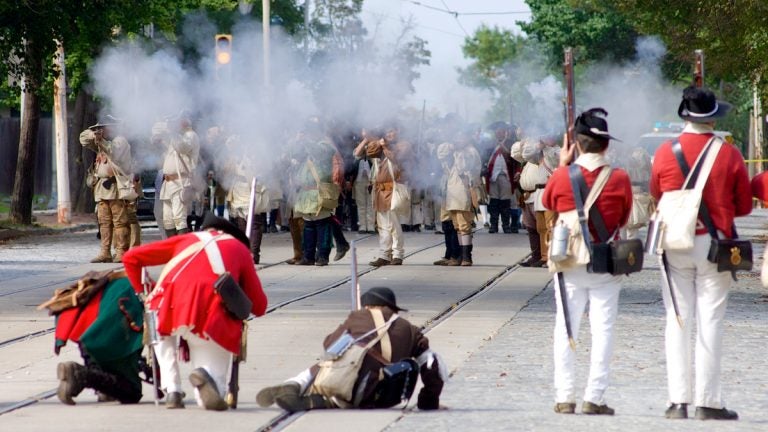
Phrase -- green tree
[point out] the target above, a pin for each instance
(595, 33)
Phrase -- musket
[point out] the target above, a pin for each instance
(353, 279)
(668, 283)
(570, 104)
(560, 281)
(150, 320)
(234, 377)
(211, 189)
(698, 71)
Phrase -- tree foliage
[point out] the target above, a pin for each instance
(596, 34)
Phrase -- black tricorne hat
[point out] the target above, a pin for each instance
(223, 225)
(699, 105)
(380, 296)
(591, 124)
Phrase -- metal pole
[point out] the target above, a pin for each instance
(265, 23)
(251, 202)
(64, 205)
(353, 280)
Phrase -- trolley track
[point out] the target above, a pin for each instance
(285, 419)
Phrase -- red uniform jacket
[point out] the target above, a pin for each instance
(727, 192)
(513, 167)
(614, 202)
(190, 300)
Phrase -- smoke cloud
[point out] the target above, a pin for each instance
(143, 85)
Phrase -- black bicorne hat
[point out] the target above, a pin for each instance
(591, 124)
(380, 296)
(223, 225)
(699, 105)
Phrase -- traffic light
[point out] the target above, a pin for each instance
(223, 49)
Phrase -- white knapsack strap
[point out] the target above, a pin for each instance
(597, 188)
(386, 343)
(715, 143)
(212, 250)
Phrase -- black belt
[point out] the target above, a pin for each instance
(541, 186)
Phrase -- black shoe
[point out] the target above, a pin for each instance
(321, 262)
(677, 411)
(306, 262)
(590, 408)
(174, 400)
(704, 413)
(207, 389)
(565, 407)
(341, 250)
(493, 230)
(397, 261)
(530, 262)
(429, 227)
(272, 229)
(507, 230)
(266, 397)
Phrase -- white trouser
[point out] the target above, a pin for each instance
(303, 379)
(206, 354)
(175, 212)
(702, 295)
(391, 241)
(602, 292)
(365, 214)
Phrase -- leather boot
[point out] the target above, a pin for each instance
(112, 385)
(135, 235)
(71, 377)
(493, 211)
(466, 255)
(297, 229)
(303, 403)
(506, 215)
(105, 253)
(122, 239)
(533, 240)
(257, 234)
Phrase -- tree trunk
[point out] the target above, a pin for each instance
(23, 184)
(84, 114)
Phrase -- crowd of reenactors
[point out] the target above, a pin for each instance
(327, 176)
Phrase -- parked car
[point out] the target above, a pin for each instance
(663, 132)
(145, 206)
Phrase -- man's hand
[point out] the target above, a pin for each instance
(566, 154)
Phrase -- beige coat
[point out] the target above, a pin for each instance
(180, 159)
(113, 159)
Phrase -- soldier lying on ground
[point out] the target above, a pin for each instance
(388, 372)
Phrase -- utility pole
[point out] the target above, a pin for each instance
(265, 15)
(306, 29)
(64, 204)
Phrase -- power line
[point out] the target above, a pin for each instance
(386, 16)
(456, 17)
(456, 14)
